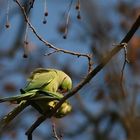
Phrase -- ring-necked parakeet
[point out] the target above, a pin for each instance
(43, 91)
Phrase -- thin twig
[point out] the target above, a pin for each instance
(25, 55)
(7, 15)
(54, 131)
(124, 46)
(90, 63)
(67, 20)
(123, 67)
(31, 5)
(125, 60)
(46, 42)
(48, 54)
(88, 56)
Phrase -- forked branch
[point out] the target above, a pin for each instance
(91, 74)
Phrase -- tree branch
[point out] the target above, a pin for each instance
(104, 61)
(88, 56)
(91, 74)
(34, 126)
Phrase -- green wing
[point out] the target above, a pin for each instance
(52, 94)
(39, 78)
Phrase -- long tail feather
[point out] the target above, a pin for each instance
(18, 98)
(11, 115)
(44, 98)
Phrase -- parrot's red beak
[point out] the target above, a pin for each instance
(63, 91)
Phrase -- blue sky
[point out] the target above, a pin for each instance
(49, 32)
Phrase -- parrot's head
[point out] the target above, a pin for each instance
(66, 84)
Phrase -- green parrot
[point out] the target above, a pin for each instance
(44, 89)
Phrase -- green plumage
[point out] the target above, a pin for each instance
(48, 80)
(41, 92)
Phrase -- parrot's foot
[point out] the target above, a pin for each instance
(22, 91)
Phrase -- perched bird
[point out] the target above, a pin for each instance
(44, 89)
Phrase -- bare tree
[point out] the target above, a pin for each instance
(103, 56)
